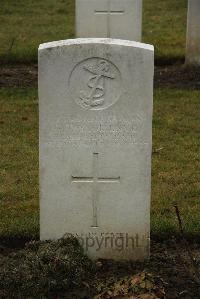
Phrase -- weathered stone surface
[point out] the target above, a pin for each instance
(193, 33)
(109, 18)
(95, 144)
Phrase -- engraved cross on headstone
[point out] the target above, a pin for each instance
(95, 180)
(109, 12)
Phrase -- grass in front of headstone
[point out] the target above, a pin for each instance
(175, 170)
(175, 175)
(19, 162)
(25, 24)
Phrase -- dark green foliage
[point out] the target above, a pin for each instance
(43, 268)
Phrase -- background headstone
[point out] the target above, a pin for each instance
(109, 18)
(95, 144)
(193, 33)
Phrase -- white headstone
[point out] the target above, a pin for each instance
(95, 144)
(109, 18)
(193, 33)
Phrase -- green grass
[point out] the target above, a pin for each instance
(175, 169)
(29, 23)
(164, 26)
(19, 162)
(175, 176)
(24, 24)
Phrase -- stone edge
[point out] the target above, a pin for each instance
(82, 41)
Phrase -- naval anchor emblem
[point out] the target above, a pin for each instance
(99, 81)
(96, 83)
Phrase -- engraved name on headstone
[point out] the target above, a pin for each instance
(95, 102)
(109, 18)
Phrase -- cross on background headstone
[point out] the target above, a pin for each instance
(95, 180)
(109, 18)
(109, 12)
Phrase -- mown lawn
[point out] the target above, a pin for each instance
(175, 173)
(19, 162)
(24, 24)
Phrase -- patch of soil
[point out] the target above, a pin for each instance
(176, 76)
(170, 262)
(19, 75)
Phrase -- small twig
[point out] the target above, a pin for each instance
(179, 220)
(157, 150)
(194, 265)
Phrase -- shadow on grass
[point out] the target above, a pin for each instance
(166, 61)
(13, 59)
(10, 243)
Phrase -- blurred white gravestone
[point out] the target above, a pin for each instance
(109, 18)
(95, 144)
(193, 33)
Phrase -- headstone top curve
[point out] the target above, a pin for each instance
(109, 41)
